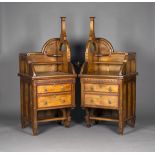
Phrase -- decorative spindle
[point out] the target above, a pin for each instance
(92, 32)
(63, 35)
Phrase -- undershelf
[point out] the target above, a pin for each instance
(104, 119)
(51, 119)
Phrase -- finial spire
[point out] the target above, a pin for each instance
(92, 32)
(63, 35)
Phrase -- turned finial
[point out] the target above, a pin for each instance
(63, 35)
(92, 32)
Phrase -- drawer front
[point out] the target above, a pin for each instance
(54, 88)
(101, 100)
(54, 100)
(101, 88)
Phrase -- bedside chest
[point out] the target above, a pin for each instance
(47, 83)
(108, 83)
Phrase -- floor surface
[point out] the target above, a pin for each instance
(54, 137)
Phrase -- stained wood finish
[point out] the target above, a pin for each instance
(101, 88)
(101, 100)
(47, 83)
(53, 88)
(108, 83)
(54, 100)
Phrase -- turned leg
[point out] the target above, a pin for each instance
(121, 128)
(121, 111)
(23, 124)
(66, 123)
(34, 122)
(121, 123)
(59, 114)
(68, 118)
(96, 114)
(87, 119)
(66, 114)
(34, 110)
(132, 122)
(92, 114)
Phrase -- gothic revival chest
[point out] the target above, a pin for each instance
(47, 83)
(108, 83)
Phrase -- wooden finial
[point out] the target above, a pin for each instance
(92, 32)
(63, 35)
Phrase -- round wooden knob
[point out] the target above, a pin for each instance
(91, 100)
(110, 89)
(62, 88)
(45, 103)
(100, 85)
(92, 88)
(109, 101)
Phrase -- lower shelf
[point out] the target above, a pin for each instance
(52, 119)
(104, 119)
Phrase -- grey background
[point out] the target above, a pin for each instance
(27, 26)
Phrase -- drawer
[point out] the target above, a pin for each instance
(101, 100)
(101, 88)
(54, 100)
(53, 88)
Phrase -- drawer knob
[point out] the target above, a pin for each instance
(91, 88)
(91, 100)
(100, 85)
(110, 89)
(62, 88)
(45, 90)
(45, 103)
(63, 101)
(109, 101)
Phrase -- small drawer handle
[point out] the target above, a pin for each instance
(45, 103)
(110, 89)
(109, 101)
(63, 101)
(91, 100)
(100, 85)
(62, 88)
(45, 90)
(91, 88)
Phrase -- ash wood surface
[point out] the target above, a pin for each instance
(54, 100)
(101, 88)
(47, 83)
(53, 88)
(101, 100)
(108, 83)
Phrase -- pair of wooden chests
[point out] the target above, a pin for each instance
(47, 83)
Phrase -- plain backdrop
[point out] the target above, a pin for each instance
(27, 26)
